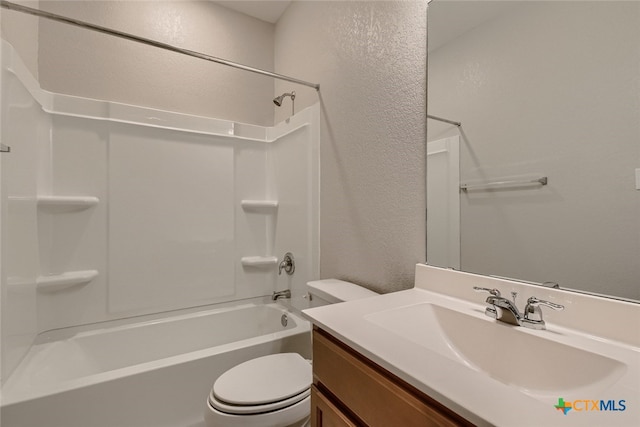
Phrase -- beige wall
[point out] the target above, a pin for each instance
(369, 58)
(22, 32)
(563, 103)
(79, 62)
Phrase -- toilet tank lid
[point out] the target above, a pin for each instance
(334, 290)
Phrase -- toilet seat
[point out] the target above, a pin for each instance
(257, 409)
(296, 415)
(261, 385)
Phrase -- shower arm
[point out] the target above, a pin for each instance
(278, 100)
(43, 14)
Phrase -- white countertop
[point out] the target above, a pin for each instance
(472, 394)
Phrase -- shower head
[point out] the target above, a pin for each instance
(278, 99)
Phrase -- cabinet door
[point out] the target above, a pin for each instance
(375, 397)
(325, 414)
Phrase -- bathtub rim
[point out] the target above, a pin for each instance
(57, 334)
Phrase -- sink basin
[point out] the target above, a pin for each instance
(536, 365)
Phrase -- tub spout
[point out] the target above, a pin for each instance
(282, 294)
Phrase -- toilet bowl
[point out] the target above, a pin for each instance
(273, 390)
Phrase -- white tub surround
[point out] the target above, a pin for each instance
(111, 211)
(437, 338)
(148, 372)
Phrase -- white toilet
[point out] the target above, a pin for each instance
(273, 390)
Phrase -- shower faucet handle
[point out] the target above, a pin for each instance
(287, 264)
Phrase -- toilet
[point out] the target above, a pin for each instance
(274, 390)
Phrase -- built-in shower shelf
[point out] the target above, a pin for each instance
(259, 261)
(69, 279)
(66, 203)
(259, 205)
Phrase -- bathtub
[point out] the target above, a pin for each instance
(144, 373)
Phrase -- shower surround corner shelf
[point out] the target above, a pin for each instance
(66, 203)
(259, 205)
(259, 261)
(69, 279)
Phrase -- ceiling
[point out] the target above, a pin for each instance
(265, 10)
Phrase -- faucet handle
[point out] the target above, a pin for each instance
(535, 302)
(533, 313)
(491, 309)
(494, 291)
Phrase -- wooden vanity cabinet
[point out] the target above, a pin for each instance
(350, 390)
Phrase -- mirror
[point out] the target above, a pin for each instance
(548, 151)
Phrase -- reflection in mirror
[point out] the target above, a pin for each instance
(543, 89)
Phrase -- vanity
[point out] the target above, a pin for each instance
(435, 355)
(351, 390)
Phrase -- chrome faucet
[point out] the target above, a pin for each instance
(281, 294)
(506, 311)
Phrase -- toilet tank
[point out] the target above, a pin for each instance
(331, 291)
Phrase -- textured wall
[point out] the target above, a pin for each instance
(22, 32)
(83, 63)
(370, 59)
